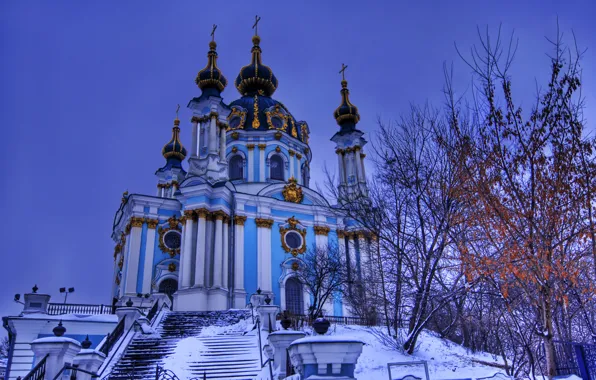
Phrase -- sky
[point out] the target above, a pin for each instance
(88, 92)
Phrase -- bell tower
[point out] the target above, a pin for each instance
(349, 146)
(209, 121)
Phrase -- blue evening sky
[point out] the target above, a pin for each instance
(88, 91)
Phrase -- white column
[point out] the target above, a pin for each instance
(226, 246)
(358, 163)
(361, 160)
(291, 163)
(213, 135)
(222, 144)
(239, 253)
(264, 253)
(321, 239)
(340, 167)
(200, 248)
(186, 254)
(299, 172)
(262, 162)
(352, 247)
(251, 162)
(149, 251)
(173, 190)
(134, 251)
(217, 251)
(195, 138)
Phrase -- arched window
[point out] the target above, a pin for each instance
(305, 175)
(276, 164)
(236, 167)
(169, 287)
(294, 298)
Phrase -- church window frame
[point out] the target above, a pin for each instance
(294, 295)
(282, 162)
(232, 159)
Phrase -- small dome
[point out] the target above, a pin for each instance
(211, 76)
(174, 149)
(347, 113)
(256, 78)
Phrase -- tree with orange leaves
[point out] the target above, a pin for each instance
(526, 176)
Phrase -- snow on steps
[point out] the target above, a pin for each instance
(184, 344)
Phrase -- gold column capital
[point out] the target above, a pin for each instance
(321, 230)
(239, 220)
(262, 146)
(262, 222)
(250, 146)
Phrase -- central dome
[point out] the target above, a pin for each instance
(256, 78)
(259, 112)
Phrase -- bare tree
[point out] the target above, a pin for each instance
(526, 184)
(325, 276)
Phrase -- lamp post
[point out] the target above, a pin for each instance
(66, 292)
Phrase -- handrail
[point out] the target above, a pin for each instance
(39, 371)
(75, 308)
(75, 368)
(112, 338)
(153, 310)
(118, 348)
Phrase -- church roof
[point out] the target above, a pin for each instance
(346, 114)
(256, 78)
(174, 150)
(211, 76)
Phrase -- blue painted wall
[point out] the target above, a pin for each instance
(142, 258)
(95, 339)
(250, 257)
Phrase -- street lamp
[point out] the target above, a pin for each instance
(66, 292)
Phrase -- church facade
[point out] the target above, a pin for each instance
(241, 214)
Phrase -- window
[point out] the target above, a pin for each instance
(305, 175)
(294, 296)
(236, 167)
(276, 164)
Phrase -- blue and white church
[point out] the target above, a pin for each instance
(233, 211)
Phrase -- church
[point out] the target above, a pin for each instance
(233, 211)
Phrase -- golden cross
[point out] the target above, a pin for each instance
(213, 32)
(342, 71)
(177, 109)
(257, 19)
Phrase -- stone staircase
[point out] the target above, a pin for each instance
(228, 355)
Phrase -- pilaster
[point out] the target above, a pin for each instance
(200, 248)
(186, 254)
(149, 252)
(264, 253)
(239, 291)
(251, 162)
(134, 252)
(262, 162)
(217, 250)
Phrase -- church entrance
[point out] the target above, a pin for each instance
(169, 287)
(294, 296)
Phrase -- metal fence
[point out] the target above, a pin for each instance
(576, 359)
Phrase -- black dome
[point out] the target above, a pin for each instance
(211, 76)
(256, 78)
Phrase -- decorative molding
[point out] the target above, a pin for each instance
(219, 215)
(235, 135)
(291, 152)
(234, 149)
(201, 213)
(295, 266)
(362, 155)
(250, 146)
(277, 135)
(262, 146)
(152, 223)
(341, 234)
(292, 225)
(172, 267)
(277, 149)
(239, 220)
(321, 230)
(339, 151)
(137, 221)
(195, 119)
(298, 156)
(292, 192)
(262, 222)
(213, 114)
(306, 150)
(189, 214)
(173, 224)
(356, 148)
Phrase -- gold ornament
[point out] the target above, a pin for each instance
(250, 146)
(235, 135)
(172, 267)
(241, 114)
(292, 192)
(277, 135)
(321, 230)
(152, 223)
(295, 266)
(279, 114)
(291, 152)
(277, 149)
(173, 225)
(239, 220)
(262, 146)
(136, 221)
(304, 131)
(292, 225)
(255, 120)
(266, 223)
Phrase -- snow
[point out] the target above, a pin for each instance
(327, 339)
(112, 318)
(187, 350)
(445, 360)
(57, 339)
